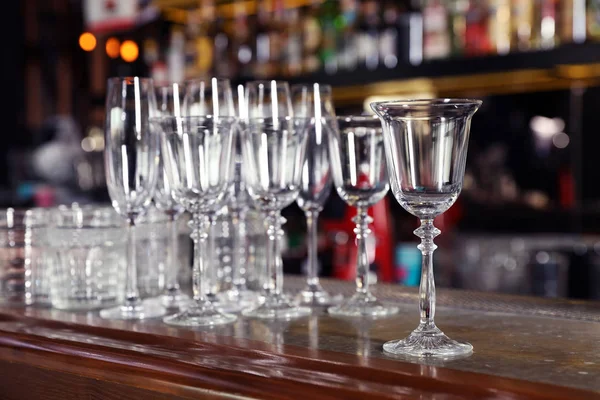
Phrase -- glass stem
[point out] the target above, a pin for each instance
(238, 251)
(211, 266)
(132, 294)
(427, 232)
(172, 284)
(362, 231)
(200, 226)
(312, 270)
(274, 261)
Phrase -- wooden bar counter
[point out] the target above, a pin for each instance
(525, 348)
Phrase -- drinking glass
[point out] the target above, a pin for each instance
(198, 155)
(208, 97)
(426, 150)
(90, 254)
(268, 99)
(361, 180)
(239, 297)
(274, 151)
(24, 262)
(212, 97)
(314, 101)
(170, 99)
(131, 163)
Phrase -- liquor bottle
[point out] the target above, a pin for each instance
(176, 56)
(369, 34)
(293, 48)
(388, 40)
(262, 48)
(277, 37)
(328, 14)
(311, 38)
(477, 40)
(458, 26)
(242, 48)
(499, 26)
(545, 35)
(522, 27)
(572, 21)
(201, 30)
(436, 38)
(593, 20)
(222, 65)
(348, 41)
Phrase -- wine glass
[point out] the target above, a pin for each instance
(198, 155)
(361, 180)
(170, 100)
(274, 151)
(268, 99)
(170, 103)
(208, 97)
(131, 163)
(314, 101)
(213, 97)
(239, 297)
(426, 149)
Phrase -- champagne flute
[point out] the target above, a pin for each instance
(314, 101)
(170, 103)
(131, 163)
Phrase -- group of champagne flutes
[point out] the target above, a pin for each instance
(196, 147)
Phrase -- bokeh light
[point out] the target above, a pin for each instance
(129, 51)
(87, 41)
(113, 47)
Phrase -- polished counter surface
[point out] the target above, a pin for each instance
(523, 348)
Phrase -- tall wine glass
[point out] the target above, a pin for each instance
(212, 97)
(239, 297)
(131, 163)
(426, 149)
(274, 151)
(198, 155)
(170, 103)
(314, 101)
(361, 179)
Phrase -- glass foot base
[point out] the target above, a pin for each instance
(428, 343)
(362, 305)
(134, 311)
(200, 314)
(178, 300)
(277, 307)
(235, 301)
(315, 295)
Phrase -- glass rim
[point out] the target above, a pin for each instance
(206, 80)
(428, 103)
(182, 118)
(322, 87)
(129, 80)
(355, 118)
(267, 82)
(284, 118)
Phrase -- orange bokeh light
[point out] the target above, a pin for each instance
(113, 47)
(87, 41)
(129, 51)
